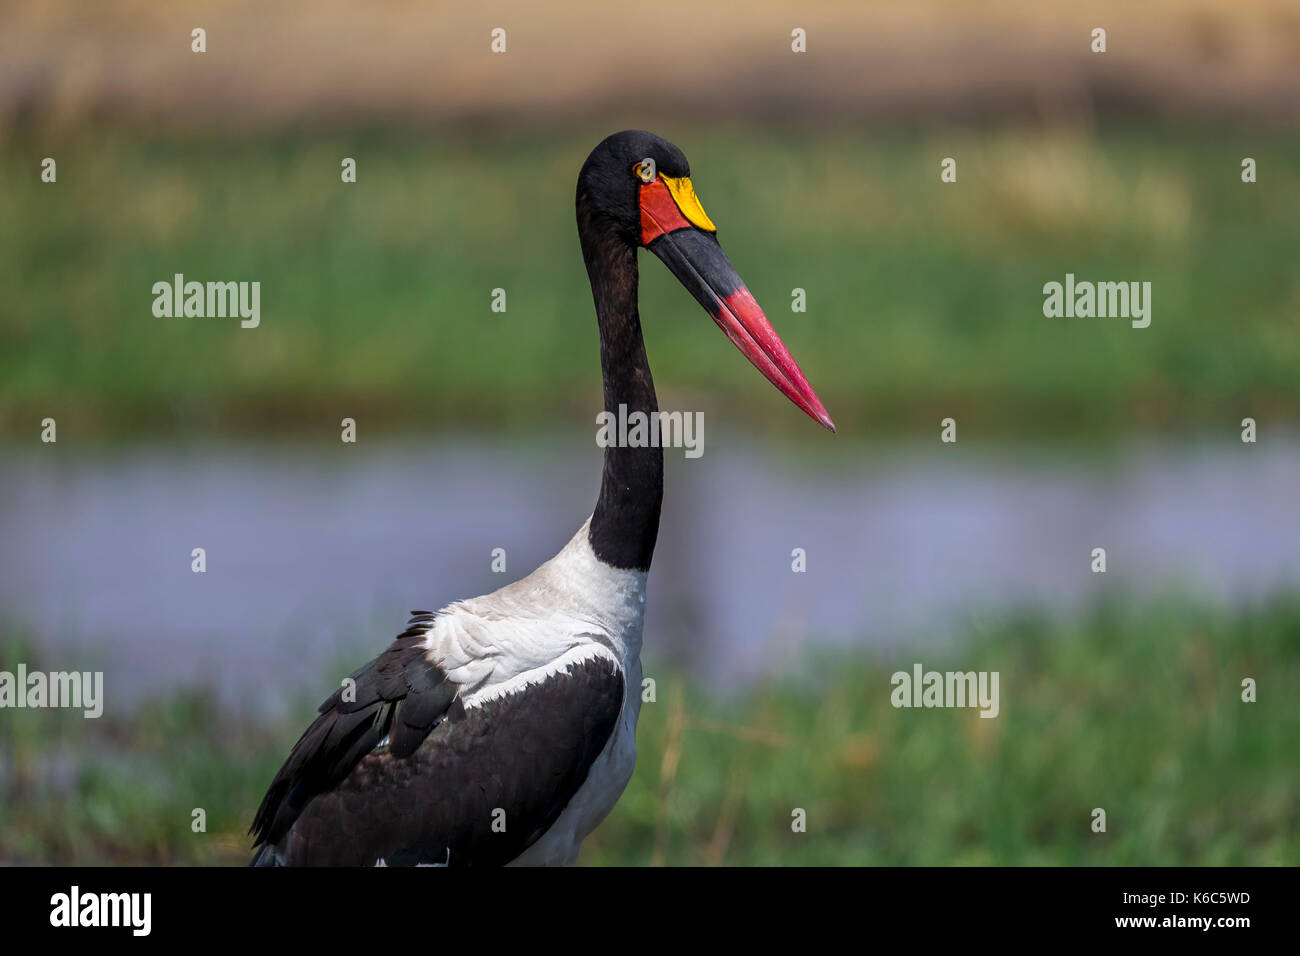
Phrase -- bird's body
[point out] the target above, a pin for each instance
(501, 729)
(555, 655)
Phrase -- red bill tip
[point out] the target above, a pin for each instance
(740, 317)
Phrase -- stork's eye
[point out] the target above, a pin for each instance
(645, 170)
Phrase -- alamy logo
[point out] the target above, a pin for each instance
(1085, 300)
(75, 908)
(55, 689)
(652, 430)
(211, 300)
(950, 689)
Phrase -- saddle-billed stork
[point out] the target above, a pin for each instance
(501, 729)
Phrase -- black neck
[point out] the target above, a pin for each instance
(625, 523)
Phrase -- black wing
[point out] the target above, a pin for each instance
(465, 787)
(400, 694)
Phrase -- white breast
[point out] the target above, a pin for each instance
(571, 608)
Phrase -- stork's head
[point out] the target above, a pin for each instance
(636, 186)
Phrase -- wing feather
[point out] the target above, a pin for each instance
(401, 687)
(435, 791)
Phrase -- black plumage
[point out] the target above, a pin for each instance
(434, 791)
(400, 693)
(625, 523)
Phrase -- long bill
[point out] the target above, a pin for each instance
(691, 252)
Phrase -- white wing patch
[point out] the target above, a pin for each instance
(574, 608)
(527, 679)
(569, 609)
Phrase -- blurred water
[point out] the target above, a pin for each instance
(316, 553)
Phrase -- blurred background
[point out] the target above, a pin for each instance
(475, 428)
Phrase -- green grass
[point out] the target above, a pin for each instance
(1134, 709)
(924, 299)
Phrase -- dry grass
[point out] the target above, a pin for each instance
(269, 65)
